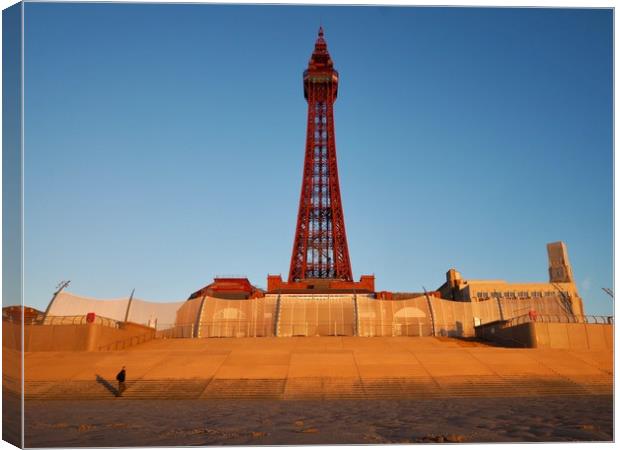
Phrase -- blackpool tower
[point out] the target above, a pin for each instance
(320, 247)
(320, 261)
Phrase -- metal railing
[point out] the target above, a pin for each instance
(321, 297)
(176, 331)
(316, 329)
(79, 320)
(559, 318)
(234, 328)
(128, 342)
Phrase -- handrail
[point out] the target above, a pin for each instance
(80, 320)
(141, 338)
(558, 318)
(185, 330)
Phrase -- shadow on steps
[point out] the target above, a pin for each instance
(106, 384)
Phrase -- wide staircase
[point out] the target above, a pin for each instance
(319, 388)
(318, 368)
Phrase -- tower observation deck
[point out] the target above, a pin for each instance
(320, 256)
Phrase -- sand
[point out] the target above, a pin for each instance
(124, 423)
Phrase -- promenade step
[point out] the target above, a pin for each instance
(598, 385)
(319, 388)
(395, 388)
(168, 389)
(244, 389)
(11, 383)
(65, 390)
(319, 368)
(324, 388)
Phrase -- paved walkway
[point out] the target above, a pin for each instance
(321, 367)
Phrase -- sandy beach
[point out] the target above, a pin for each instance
(121, 422)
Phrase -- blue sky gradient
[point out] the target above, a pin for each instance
(164, 144)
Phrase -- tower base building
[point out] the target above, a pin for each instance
(231, 307)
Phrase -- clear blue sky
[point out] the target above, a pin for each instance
(164, 144)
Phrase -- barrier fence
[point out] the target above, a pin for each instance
(321, 315)
(316, 315)
(128, 342)
(559, 318)
(79, 320)
(410, 317)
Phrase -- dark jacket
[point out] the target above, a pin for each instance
(121, 376)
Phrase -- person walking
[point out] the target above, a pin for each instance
(120, 377)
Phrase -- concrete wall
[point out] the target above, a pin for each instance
(107, 338)
(56, 337)
(574, 336)
(521, 335)
(11, 335)
(87, 337)
(586, 336)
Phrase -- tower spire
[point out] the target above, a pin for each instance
(320, 248)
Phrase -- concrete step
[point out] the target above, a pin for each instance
(11, 383)
(65, 390)
(244, 389)
(323, 388)
(319, 388)
(394, 388)
(166, 388)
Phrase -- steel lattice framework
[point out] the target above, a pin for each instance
(320, 249)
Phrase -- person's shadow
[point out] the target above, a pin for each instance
(106, 384)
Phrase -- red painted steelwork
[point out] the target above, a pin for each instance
(231, 288)
(275, 285)
(320, 249)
